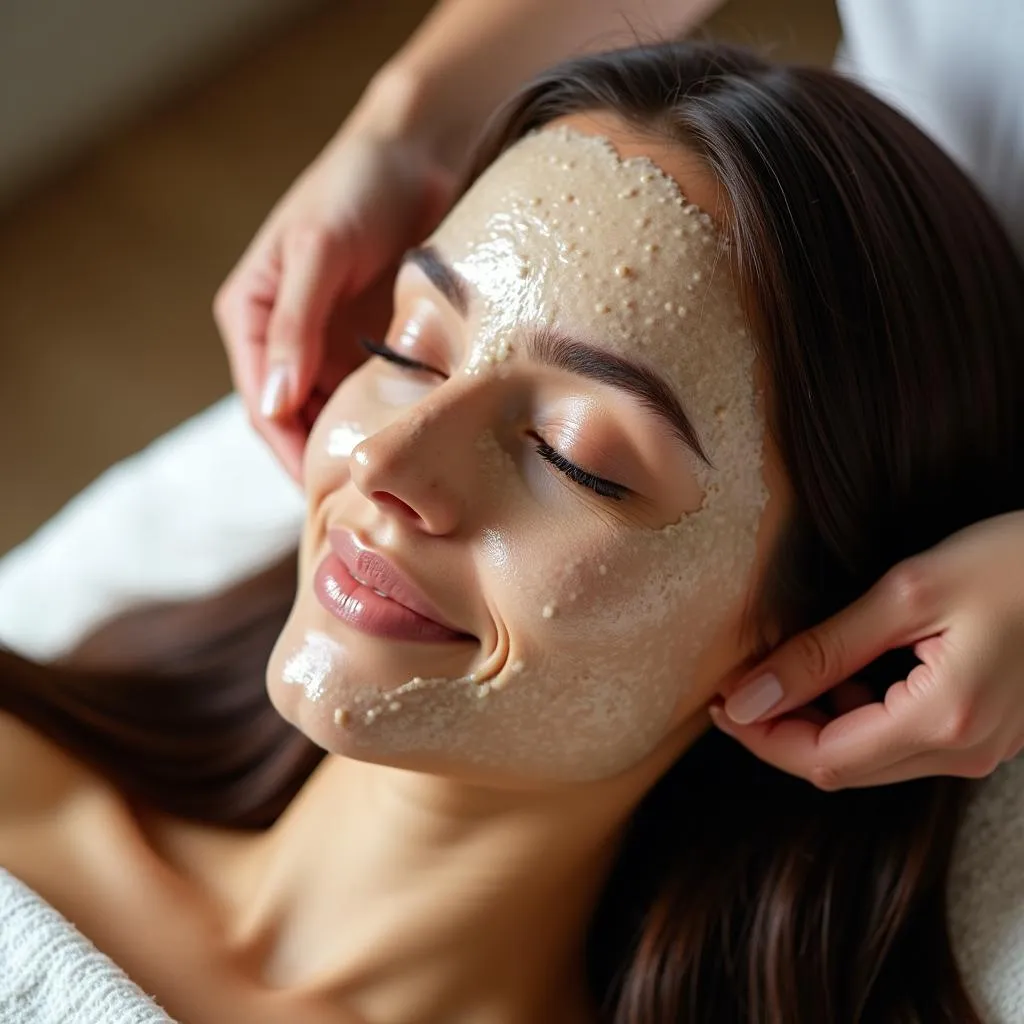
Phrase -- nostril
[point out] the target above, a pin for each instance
(387, 498)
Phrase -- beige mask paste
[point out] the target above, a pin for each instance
(604, 642)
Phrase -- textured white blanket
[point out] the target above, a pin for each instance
(207, 506)
(986, 897)
(51, 974)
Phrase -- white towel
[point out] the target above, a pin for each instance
(200, 509)
(51, 974)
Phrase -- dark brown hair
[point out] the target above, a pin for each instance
(888, 308)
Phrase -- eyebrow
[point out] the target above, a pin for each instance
(552, 347)
(440, 275)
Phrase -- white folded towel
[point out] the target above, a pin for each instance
(200, 509)
(51, 974)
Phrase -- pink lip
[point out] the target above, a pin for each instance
(347, 582)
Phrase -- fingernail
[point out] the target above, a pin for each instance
(750, 702)
(275, 391)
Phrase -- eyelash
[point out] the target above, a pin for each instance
(376, 348)
(605, 488)
(600, 486)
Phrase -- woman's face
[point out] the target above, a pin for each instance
(535, 517)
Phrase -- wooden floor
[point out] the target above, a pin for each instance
(107, 272)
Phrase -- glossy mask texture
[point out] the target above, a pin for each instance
(605, 620)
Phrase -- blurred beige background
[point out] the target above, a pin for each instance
(123, 220)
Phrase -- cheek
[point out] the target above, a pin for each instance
(344, 421)
(597, 669)
(394, 392)
(343, 437)
(639, 625)
(579, 593)
(367, 401)
(364, 402)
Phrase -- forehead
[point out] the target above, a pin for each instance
(562, 230)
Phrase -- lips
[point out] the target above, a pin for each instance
(366, 590)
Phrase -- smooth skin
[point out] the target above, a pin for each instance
(319, 273)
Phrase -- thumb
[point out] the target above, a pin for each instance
(313, 266)
(897, 611)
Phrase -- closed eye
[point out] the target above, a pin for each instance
(578, 475)
(598, 484)
(376, 348)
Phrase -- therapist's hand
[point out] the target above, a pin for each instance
(960, 607)
(319, 274)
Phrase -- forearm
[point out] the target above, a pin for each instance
(469, 55)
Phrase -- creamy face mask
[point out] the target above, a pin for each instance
(599, 613)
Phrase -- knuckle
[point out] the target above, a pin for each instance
(821, 654)
(958, 727)
(979, 764)
(920, 683)
(826, 777)
(911, 588)
(308, 240)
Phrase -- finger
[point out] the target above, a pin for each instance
(931, 763)
(310, 412)
(287, 440)
(789, 744)
(899, 610)
(310, 281)
(866, 740)
(242, 312)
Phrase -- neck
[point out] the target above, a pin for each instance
(408, 898)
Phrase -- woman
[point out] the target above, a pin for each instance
(688, 368)
(293, 308)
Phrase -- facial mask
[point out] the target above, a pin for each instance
(606, 621)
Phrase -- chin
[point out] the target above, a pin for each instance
(353, 740)
(323, 677)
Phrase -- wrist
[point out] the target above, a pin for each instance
(410, 105)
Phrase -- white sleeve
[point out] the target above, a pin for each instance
(957, 69)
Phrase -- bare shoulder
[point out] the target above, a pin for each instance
(37, 777)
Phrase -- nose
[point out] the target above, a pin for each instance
(413, 468)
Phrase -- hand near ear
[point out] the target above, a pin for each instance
(960, 607)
